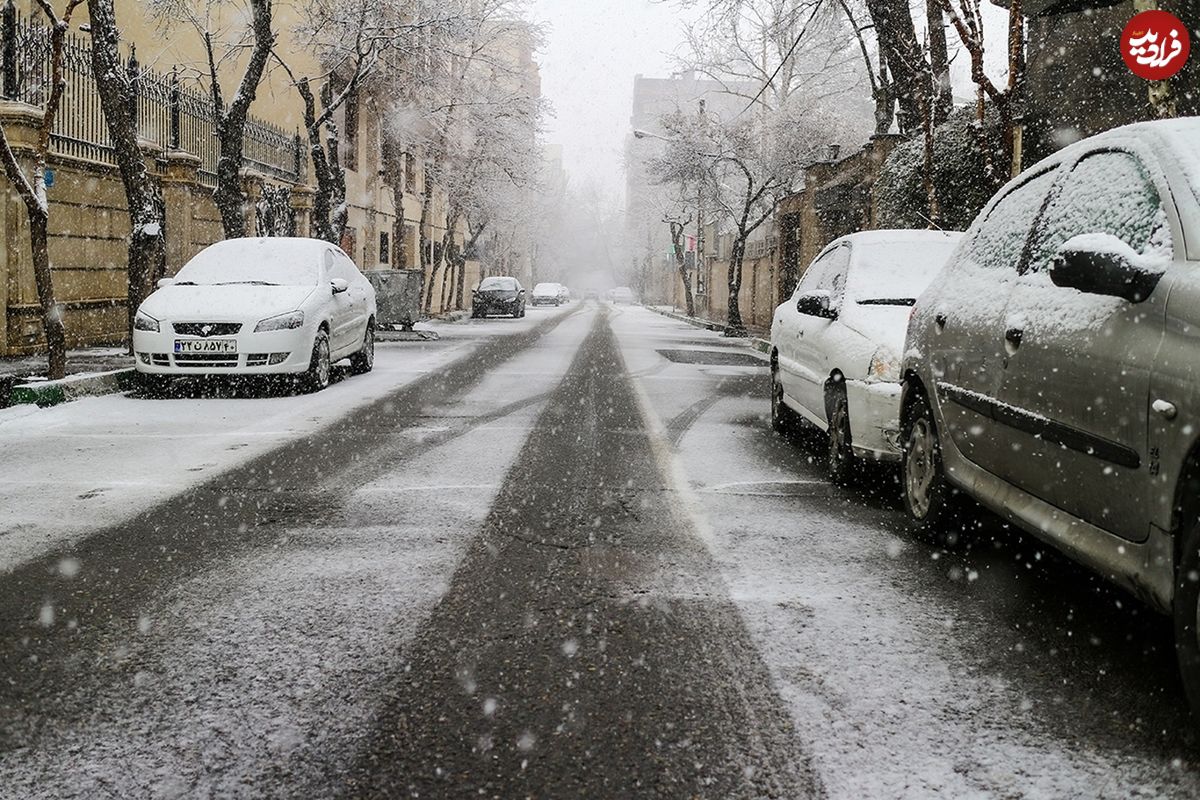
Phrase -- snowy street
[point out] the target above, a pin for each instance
(562, 556)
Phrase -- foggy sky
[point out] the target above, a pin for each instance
(594, 49)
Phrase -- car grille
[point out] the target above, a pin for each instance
(206, 360)
(213, 328)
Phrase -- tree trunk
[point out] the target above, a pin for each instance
(423, 236)
(230, 196)
(734, 325)
(939, 63)
(52, 321)
(677, 249)
(909, 70)
(143, 197)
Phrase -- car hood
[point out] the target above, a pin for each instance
(235, 302)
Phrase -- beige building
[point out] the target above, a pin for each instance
(89, 225)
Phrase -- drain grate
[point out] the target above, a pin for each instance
(714, 358)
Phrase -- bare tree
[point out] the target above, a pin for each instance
(32, 191)
(678, 224)
(143, 197)
(967, 18)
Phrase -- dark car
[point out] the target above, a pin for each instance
(498, 295)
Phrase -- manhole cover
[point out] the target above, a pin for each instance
(714, 358)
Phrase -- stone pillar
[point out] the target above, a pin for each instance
(19, 333)
(302, 207)
(180, 188)
(252, 185)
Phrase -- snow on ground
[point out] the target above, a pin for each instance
(904, 673)
(257, 676)
(92, 463)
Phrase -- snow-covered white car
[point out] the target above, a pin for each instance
(622, 295)
(1053, 368)
(265, 306)
(836, 343)
(546, 294)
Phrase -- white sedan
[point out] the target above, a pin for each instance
(259, 307)
(546, 294)
(836, 344)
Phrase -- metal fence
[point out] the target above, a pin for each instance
(171, 116)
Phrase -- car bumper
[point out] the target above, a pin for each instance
(267, 353)
(875, 419)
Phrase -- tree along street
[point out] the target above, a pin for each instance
(570, 558)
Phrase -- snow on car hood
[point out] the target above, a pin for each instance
(883, 326)
(219, 302)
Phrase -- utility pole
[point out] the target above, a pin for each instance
(700, 263)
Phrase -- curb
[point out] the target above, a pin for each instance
(755, 342)
(72, 387)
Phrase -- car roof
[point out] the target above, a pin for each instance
(896, 236)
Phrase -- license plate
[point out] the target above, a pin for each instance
(185, 346)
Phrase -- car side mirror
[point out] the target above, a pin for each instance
(164, 282)
(816, 303)
(521, 291)
(1103, 264)
(339, 285)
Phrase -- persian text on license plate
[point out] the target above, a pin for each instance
(184, 346)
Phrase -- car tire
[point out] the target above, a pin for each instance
(783, 419)
(320, 368)
(841, 464)
(933, 505)
(363, 361)
(520, 313)
(1186, 611)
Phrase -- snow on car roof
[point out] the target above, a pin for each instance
(547, 287)
(498, 282)
(288, 261)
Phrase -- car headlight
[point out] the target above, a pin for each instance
(283, 322)
(885, 366)
(144, 322)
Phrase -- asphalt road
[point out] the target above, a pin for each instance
(575, 562)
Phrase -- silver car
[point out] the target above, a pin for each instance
(1052, 370)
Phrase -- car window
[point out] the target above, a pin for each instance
(999, 241)
(330, 264)
(1107, 192)
(824, 272)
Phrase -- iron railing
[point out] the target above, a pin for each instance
(170, 115)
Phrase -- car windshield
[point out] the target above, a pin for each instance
(498, 284)
(278, 262)
(896, 272)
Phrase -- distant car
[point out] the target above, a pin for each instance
(591, 294)
(546, 294)
(621, 295)
(564, 294)
(499, 294)
(1053, 368)
(259, 307)
(836, 343)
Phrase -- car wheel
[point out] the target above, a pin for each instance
(520, 313)
(363, 361)
(319, 368)
(783, 419)
(841, 465)
(1186, 611)
(928, 498)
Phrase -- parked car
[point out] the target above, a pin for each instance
(1053, 368)
(546, 294)
(564, 294)
(259, 307)
(836, 342)
(622, 295)
(499, 294)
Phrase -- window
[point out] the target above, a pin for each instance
(384, 242)
(1108, 192)
(827, 272)
(999, 242)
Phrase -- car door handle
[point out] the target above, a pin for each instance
(1013, 336)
